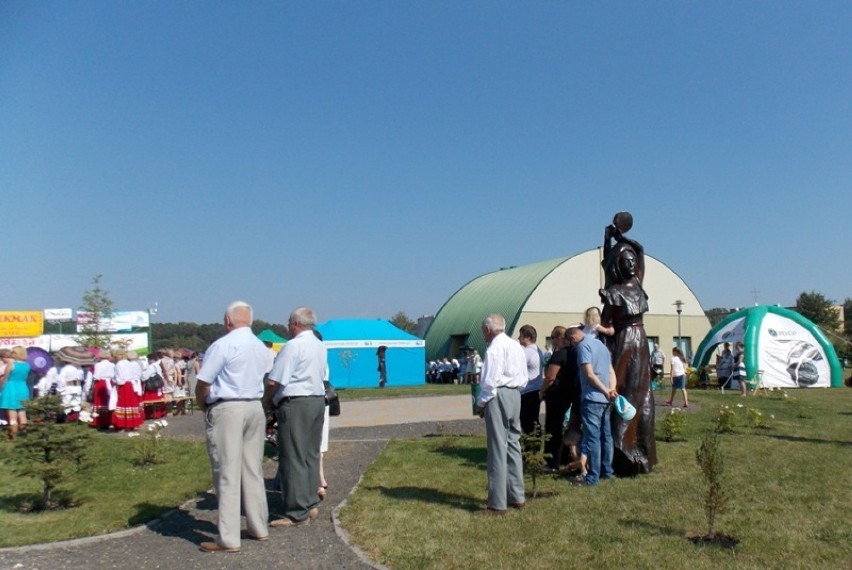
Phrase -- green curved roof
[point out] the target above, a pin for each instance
(504, 292)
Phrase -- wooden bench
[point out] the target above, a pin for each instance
(177, 406)
(154, 409)
(180, 404)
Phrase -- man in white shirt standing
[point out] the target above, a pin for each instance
(295, 390)
(530, 399)
(504, 373)
(229, 390)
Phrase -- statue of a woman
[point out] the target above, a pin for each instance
(624, 304)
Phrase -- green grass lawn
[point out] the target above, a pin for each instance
(418, 505)
(115, 494)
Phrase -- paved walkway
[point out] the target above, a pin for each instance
(357, 437)
(392, 411)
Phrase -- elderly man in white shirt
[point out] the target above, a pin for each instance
(229, 389)
(504, 373)
(294, 388)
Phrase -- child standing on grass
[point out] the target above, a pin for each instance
(678, 374)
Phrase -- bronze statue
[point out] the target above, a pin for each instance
(624, 304)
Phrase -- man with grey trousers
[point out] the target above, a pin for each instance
(295, 390)
(504, 373)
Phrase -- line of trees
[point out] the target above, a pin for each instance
(198, 337)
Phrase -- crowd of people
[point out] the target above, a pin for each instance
(112, 389)
(577, 381)
(455, 371)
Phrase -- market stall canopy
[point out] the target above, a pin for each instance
(268, 335)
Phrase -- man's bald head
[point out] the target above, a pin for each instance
(238, 314)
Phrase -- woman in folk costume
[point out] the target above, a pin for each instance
(169, 372)
(103, 390)
(153, 391)
(71, 378)
(128, 409)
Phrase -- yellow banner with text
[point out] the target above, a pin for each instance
(21, 324)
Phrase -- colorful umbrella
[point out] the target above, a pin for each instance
(39, 359)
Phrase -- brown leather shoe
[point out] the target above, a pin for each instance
(519, 506)
(215, 547)
(246, 535)
(493, 512)
(288, 523)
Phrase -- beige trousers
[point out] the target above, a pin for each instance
(235, 439)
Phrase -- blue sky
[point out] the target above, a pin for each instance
(369, 157)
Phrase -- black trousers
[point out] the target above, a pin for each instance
(530, 411)
(556, 404)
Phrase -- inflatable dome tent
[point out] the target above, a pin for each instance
(791, 351)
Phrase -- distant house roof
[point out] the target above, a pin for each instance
(268, 335)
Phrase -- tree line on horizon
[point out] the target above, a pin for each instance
(197, 337)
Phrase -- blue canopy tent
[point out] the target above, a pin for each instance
(352, 360)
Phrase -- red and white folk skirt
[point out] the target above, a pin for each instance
(128, 412)
(100, 403)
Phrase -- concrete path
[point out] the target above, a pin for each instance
(392, 411)
(357, 437)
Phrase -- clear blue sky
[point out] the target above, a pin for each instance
(369, 157)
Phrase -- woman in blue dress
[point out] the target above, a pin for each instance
(14, 390)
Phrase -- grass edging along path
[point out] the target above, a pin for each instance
(418, 504)
(115, 494)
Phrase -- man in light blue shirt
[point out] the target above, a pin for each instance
(229, 389)
(295, 390)
(597, 385)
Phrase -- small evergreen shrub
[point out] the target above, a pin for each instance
(49, 451)
(711, 461)
(535, 457)
(673, 426)
(726, 420)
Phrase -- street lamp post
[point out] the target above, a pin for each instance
(152, 310)
(679, 305)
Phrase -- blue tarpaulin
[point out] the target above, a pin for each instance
(352, 360)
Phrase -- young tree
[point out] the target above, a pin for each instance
(712, 463)
(98, 306)
(818, 309)
(401, 320)
(48, 451)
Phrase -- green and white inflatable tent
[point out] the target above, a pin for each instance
(791, 351)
